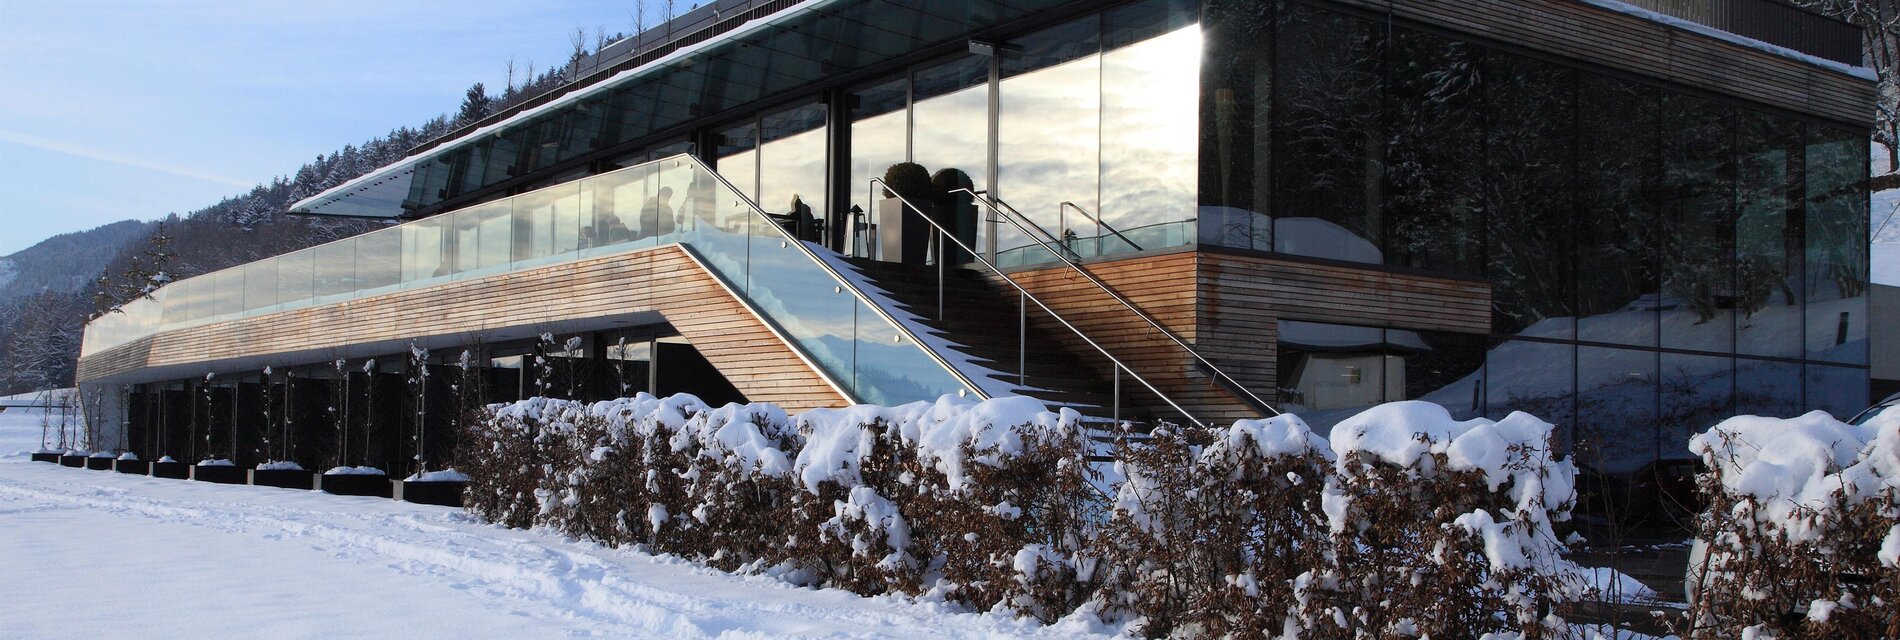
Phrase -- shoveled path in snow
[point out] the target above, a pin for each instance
(90, 553)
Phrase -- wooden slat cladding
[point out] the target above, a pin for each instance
(1228, 305)
(664, 280)
(1163, 286)
(1629, 43)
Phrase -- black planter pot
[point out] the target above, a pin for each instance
(375, 484)
(283, 478)
(72, 461)
(173, 470)
(447, 494)
(135, 467)
(99, 464)
(219, 474)
(46, 457)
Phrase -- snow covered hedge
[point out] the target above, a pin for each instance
(1408, 523)
(1802, 529)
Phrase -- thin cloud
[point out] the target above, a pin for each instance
(78, 151)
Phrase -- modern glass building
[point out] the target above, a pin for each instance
(1627, 224)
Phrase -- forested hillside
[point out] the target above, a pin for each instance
(50, 290)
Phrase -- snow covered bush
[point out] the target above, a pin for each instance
(977, 503)
(1440, 528)
(502, 462)
(1408, 523)
(1802, 529)
(1209, 530)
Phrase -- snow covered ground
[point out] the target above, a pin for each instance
(91, 553)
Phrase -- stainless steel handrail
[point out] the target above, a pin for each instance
(839, 277)
(1099, 223)
(943, 233)
(1012, 215)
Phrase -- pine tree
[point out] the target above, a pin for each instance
(475, 105)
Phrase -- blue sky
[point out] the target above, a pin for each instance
(117, 109)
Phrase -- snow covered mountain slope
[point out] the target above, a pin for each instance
(91, 553)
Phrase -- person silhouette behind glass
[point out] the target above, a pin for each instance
(659, 210)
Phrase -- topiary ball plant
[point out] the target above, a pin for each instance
(910, 180)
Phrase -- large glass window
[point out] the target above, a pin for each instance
(1328, 372)
(1048, 144)
(1538, 378)
(1836, 278)
(737, 157)
(792, 168)
(1698, 225)
(880, 134)
(1434, 154)
(1328, 150)
(1149, 119)
(1236, 124)
(1767, 388)
(1529, 112)
(950, 125)
(950, 133)
(1616, 228)
(1767, 249)
(1616, 408)
(1697, 392)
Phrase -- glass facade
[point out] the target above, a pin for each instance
(1091, 137)
(1657, 259)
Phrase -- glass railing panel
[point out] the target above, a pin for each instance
(891, 369)
(533, 215)
(616, 198)
(427, 252)
(671, 200)
(464, 229)
(378, 260)
(228, 292)
(260, 285)
(177, 310)
(718, 223)
(150, 310)
(296, 277)
(568, 223)
(494, 237)
(847, 338)
(810, 306)
(335, 265)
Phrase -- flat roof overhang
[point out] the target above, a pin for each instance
(807, 44)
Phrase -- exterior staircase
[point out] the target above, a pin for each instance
(979, 320)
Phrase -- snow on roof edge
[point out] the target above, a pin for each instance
(576, 94)
(1862, 72)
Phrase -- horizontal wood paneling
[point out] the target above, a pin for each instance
(1229, 306)
(1633, 44)
(664, 280)
(1162, 286)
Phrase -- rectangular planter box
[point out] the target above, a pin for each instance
(99, 464)
(283, 478)
(376, 485)
(72, 461)
(173, 470)
(135, 467)
(447, 494)
(46, 457)
(220, 475)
